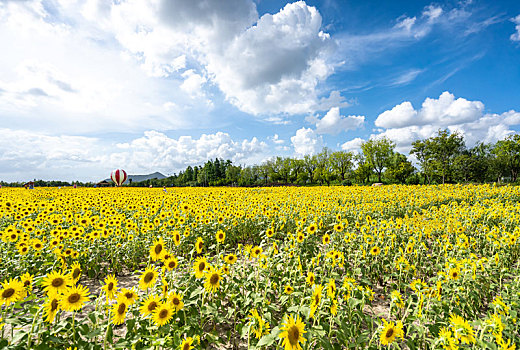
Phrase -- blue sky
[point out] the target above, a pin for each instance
(156, 85)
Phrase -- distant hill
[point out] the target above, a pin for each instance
(139, 178)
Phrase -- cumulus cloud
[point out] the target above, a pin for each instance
(306, 141)
(403, 124)
(333, 122)
(353, 145)
(516, 21)
(39, 155)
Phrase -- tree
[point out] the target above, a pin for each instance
(363, 169)
(342, 163)
(378, 154)
(232, 174)
(310, 164)
(423, 152)
(399, 168)
(507, 154)
(445, 148)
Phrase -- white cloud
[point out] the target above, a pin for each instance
(276, 139)
(39, 155)
(305, 141)
(333, 123)
(404, 124)
(516, 36)
(353, 145)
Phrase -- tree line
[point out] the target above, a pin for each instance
(442, 158)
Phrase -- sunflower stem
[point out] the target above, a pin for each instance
(29, 339)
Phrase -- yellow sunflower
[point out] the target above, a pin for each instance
(51, 308)
(119, 311)
(148, 278)
(186, 344)
(375, 251)
(199, 245)
(74, 298)
(176, 301)
(292, 334)
(162, 314)
(288, 289)
(462, 329)
(157, 249)
(213, 277)
(326, 238)
(128, 296)
(11, 291)
(311, 278)
(56, 282)
(75, 273)
(256, 251)
(27, 280)
(220, 236)
(390, 332)
(171, 263)
(200, 266)
(150, 304)
(110, 287)
(230, 259)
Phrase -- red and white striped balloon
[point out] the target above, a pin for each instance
(118, 176)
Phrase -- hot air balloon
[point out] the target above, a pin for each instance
(118, 176)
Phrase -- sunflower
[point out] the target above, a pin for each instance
(462, 329)
(230, 259)
(171, 263)
(375, 250)
(119, 311)
(390, 332)
(312, 229)
(110, 287)
(51, 308)
(56, 282)
(311, 278)
(334, 307)
(157, 249)
(326, 239)
(288, 289)
(200, 266)
(37, 244)
(176, 237)
(162, 314)
(176, 301)
(75, 273)
(150, 304)
(316, 299)
(454, 273)
(199, 245)
(128, 296)
(331, 288)
(74, 298)
(338, 228)
(256, 251)
(213, 277)
(292, 334)
(186, 344)
(257, 327)
(27, 280)
(220, 236)
(446, 340)
(300, 237)
(11, 291)
(148, 278)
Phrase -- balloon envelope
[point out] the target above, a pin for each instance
(118, 176)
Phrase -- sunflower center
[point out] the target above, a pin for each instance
(158, 248)
(214, 279)
(294, 335)
(54, 304)
(121, 309)
(7, 293)
(152, 306)
(186, 346)
(57, 282)
(163, 313)
(389, 333)
(74, 298)
(76, 273)
(129, 295)
(202, 266)
(176, 301)
(148, 277)
(110, 286)
(26, 283)
(171, 265)
(317, 299)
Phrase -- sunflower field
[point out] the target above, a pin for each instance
(402, 267)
